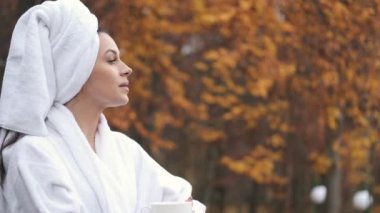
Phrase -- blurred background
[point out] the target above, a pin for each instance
(263, 105)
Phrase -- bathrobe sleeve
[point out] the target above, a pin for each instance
(35, 179)
(154, 183)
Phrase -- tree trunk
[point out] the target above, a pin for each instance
(334, 197)
(253, 198)
(375, 162)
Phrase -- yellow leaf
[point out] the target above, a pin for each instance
(201, 66)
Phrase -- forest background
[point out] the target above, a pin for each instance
(254, 102)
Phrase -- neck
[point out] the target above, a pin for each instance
(87, 115)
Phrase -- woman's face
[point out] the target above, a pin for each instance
(108, 82)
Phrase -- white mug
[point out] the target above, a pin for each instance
(168, 207)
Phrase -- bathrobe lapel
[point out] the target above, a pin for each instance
(118, 164)
(64, 123)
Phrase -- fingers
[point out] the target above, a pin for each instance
(190, 199)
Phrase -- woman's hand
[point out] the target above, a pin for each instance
(190, 199)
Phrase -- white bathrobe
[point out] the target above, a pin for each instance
(61, 172)
(53, 168)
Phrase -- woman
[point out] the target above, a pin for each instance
(58, 153)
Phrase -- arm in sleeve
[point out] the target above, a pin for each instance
(35, 180)
(155, 184)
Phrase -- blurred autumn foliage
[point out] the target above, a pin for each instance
(253, 101)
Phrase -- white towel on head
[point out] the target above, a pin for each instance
(53, 50)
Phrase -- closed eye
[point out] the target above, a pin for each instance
(112, 61)
(111, 56)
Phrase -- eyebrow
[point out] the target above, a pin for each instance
(111, 50)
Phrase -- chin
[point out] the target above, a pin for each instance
(116, 102)
(126, 101)
(121, 102)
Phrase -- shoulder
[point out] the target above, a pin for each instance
(129, 146)
(125, 141)
(29, 143)
(121, 136)
(27, 148)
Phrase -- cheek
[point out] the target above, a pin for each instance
(103, 82)
(103, 74)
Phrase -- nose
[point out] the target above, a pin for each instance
(126, 70)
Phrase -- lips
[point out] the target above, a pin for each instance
(125, 86)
